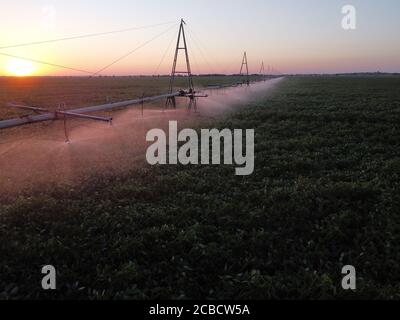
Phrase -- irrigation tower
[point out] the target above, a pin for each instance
(262, 71)
(245, 64)
(181, 44)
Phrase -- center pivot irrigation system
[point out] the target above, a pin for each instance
(41, 114)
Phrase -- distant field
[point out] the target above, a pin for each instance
(325, 193)
(48, 92)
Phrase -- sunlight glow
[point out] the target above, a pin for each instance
(19, 68)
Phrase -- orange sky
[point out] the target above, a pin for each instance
(294, 36)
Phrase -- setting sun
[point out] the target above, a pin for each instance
(20, 68)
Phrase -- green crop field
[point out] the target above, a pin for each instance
(325, 193)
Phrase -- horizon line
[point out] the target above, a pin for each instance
(206, 74)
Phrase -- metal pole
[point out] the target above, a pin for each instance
(175, 58)
(247, 70)
(171, 101)
(50, 115)
(63, 107)
(142, 105)
(189, 69)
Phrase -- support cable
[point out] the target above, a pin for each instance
(91, 35)
(133, 51)
(199, 46)
(46, 63)
(164, 56)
